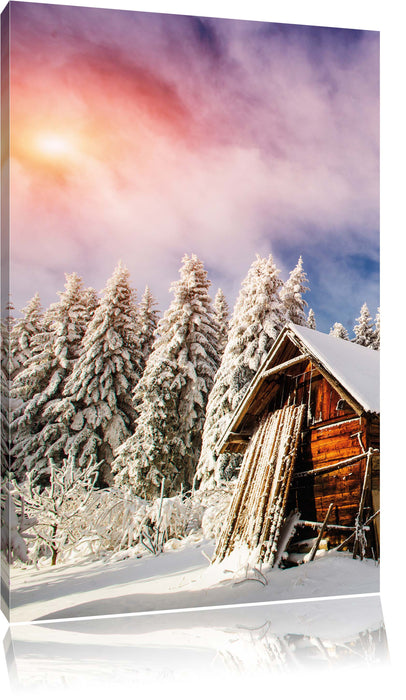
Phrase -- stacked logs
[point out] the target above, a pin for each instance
(258, 505)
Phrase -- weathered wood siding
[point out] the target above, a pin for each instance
(333, 433)
(324, 445)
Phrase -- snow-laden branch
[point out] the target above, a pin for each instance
(14, 525)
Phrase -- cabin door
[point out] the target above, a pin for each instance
(258, 506)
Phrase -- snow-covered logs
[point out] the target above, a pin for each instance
(258, 506)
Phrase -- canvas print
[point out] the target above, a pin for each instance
(190, 312)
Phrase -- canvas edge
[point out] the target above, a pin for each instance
(5, 260)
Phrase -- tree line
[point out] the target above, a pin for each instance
(107, 380)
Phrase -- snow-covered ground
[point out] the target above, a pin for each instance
(239, 635)
(176, 622)
(178, 579)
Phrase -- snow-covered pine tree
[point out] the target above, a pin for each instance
(97, 409)
(338, 331)
(222, 314)
(148, 321)
(36, 430)
(311, 320)
(88, 301)
(91, 300)
(4, 422)
(173, 391)
(5, 400)
(22, 333)
(376, 342)
(364, 329)
(257, 320)
(291, 295)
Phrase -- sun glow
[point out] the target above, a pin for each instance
(53, 145)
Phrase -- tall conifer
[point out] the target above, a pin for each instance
(22, 333)
(311, 320)
(173, 391)
(257, 320)
(41, 382)
(148, 321)
(338, 331)
(376, 342)
(222, 314)
(292, 295)
(364, 329)
(97, 409)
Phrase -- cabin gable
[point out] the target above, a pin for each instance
(290, 375)
(336, 440)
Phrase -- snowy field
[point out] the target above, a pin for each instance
(178, 579)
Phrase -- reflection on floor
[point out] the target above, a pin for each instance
(261, 639)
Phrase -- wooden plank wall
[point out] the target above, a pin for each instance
(334, 433)
(323, 446)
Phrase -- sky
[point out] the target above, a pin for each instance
(140, 137)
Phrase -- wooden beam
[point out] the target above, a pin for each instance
(320, 535)
(316, 525)
(239, 437)
(284, 365)
(365, 488)
(332, 467)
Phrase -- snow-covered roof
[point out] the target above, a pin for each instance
(354, 366)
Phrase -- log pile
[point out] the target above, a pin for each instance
(258, 506)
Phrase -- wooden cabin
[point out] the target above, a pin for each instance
(309, 429)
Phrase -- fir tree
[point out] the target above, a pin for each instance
(4, 421)
(364, 329)
(90, 301)
(97, 409)
(291, 295)
(257, 320)
(311, 320)
(173, 391)
(376, 342)
(4, 401)
(338, 331)
(40, 384)
(148, 321)
(222, 314)
(22, 333)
